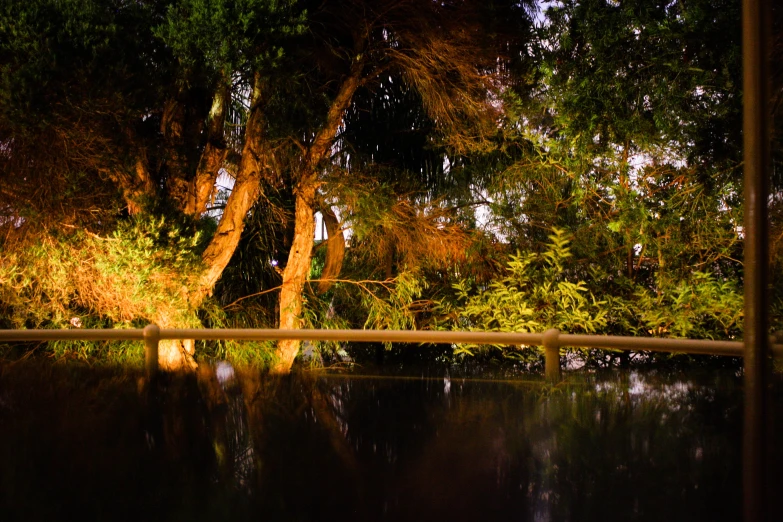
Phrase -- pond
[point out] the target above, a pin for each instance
(80, 443)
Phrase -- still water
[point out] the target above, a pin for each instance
(91, 444)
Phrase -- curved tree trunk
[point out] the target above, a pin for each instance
(252, 167)
(212, 158)
(298, 267)
(178, 356)
(295, 274)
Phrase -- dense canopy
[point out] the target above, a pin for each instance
(457, 164)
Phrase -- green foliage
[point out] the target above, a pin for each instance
(143, 272)
(229, 35)
(391, 311)
(369, 304)
(255, 354)
(645, 73)
(544, 290)
(55, 52)
(700, 306)
(630, 143)
(259, 354)
(125, 353)
(535, 294)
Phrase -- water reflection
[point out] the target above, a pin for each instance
(239, 445)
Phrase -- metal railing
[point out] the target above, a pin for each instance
(551, 340)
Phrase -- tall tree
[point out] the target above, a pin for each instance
(630, 142)
(145, 91)
(434, 49)
(142, 90)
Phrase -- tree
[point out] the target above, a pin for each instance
(629, 146)
(161, 138)
(402, 120)
(431, 50)
(145, 91)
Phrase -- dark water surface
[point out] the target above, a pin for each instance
(88, 444)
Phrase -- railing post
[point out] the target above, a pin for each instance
(756, 44)
(151, 340)
(552, 354)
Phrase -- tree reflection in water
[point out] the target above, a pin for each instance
(635, 446)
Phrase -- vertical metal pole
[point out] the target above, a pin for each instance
(755, 37)
(151, 340)
(551, 343)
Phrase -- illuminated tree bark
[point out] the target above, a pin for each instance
(215, 151)
(252, 168)
(154, 126)
(175, 355)
(298, 266)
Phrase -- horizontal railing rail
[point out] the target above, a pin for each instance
(551, 340)
(614, 342)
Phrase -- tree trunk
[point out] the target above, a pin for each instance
(295, 274)
(244, 194)
(335, 250)
(298, 267)
(172, 126)
(136, 185)
(215, 150)
(175, 355)
(178, 356)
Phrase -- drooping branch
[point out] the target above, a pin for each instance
(335, 250)
(441, 57)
